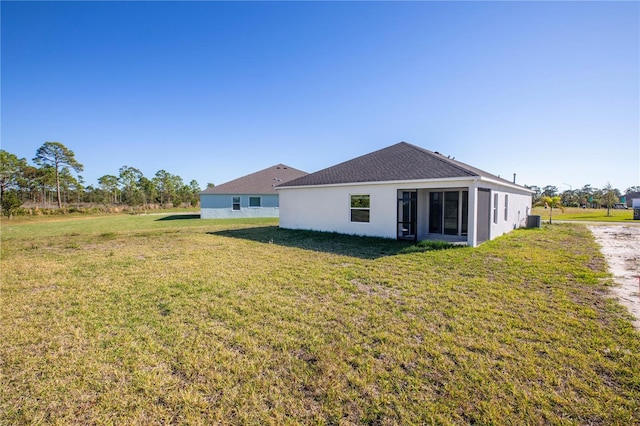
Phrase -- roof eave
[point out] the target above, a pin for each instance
(505, 183)
(238, 193)
(466, 179)
(386, 182)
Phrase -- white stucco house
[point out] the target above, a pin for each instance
(253, 195)
(405, 192)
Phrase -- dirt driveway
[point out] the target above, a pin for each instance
(620, 245)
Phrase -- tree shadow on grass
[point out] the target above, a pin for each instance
(180, 217)
(325, 242)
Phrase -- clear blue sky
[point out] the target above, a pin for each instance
(212, 91)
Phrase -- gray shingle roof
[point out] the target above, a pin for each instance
(399, 162)
(261, 182)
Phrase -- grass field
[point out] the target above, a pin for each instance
(171, 319)
(578, 214)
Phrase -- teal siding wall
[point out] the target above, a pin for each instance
(220, 206)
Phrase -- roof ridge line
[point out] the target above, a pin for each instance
(442, 158)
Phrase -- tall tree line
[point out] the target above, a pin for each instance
(53, 179)
(587, 196)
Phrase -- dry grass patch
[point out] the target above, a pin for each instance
(127, 320)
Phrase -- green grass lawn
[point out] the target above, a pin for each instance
(166, 319)
(578, 214)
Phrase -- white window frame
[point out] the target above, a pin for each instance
(351, 208)
(259, 202)
(506, 207)
(233, 203)
(496, 200)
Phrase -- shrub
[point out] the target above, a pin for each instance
(10, 203)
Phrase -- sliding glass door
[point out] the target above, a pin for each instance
(435, 212)
(451, 212)
(448, 212)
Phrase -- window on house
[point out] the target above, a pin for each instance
(506, 207)
(254, 201)
(495, 208)
(360, 207)
(236, 203)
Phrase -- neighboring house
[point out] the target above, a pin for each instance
(630, 196)
(405, 192)
(253, 195)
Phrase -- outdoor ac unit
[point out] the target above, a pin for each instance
(534, 221)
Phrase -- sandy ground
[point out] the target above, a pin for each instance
(620, 245)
